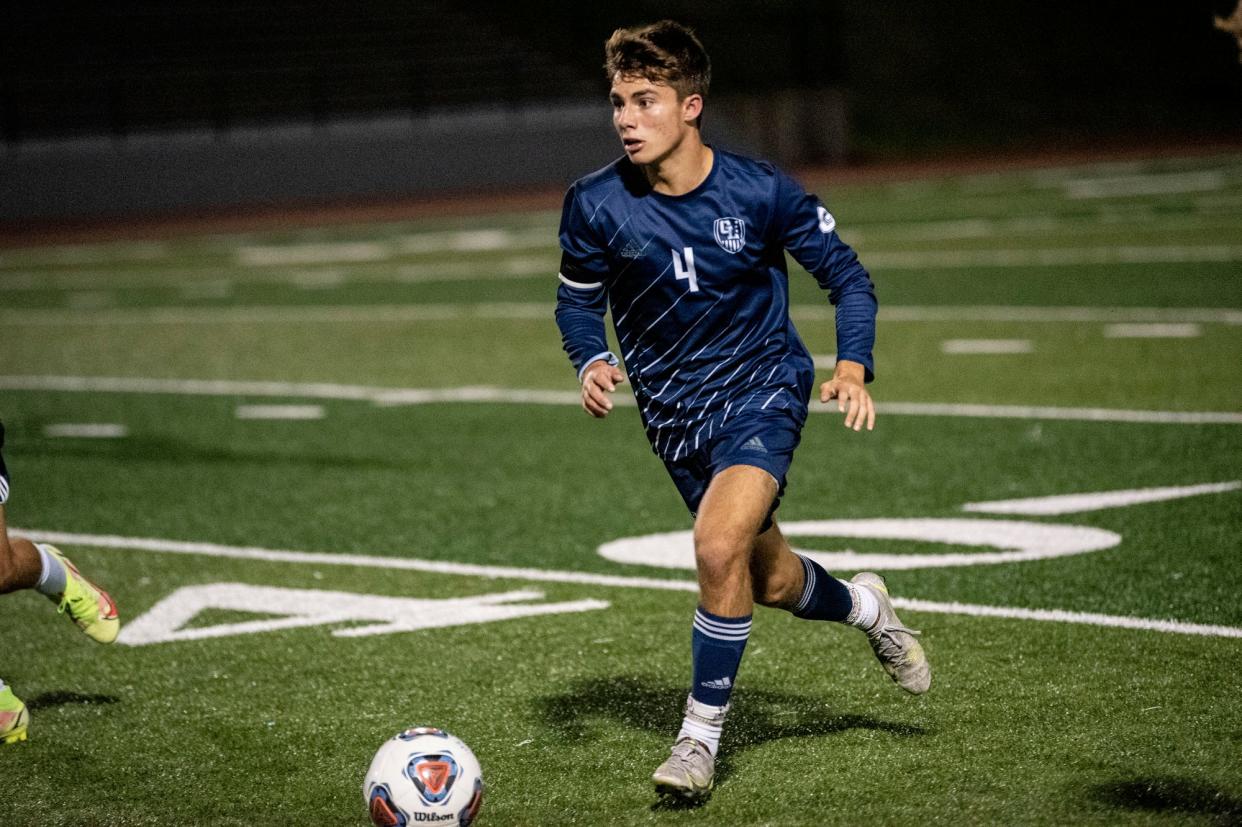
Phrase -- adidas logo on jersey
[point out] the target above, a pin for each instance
(631, 249)
(755, 444)
(718, 683)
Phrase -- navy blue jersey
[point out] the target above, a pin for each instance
(699, 294)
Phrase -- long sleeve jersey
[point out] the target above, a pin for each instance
(699, 293)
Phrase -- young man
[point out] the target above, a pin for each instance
(26, 565)
(686, 243)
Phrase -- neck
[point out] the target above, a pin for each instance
(683, 169)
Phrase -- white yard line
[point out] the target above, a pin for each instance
(314, 253)
(1129, 186)
(279, 412)
(321, 275)
(542, 311)
(509, 268)
(318, 314)
(1077, 503)
(1062, 616)
(1051, 257)
(882, 236)
(344, 252)
(361, 560)
(1003, 313)
(425, 396)
(85, 430)
(342, 264)
(527, 396)
(824, 361)
(1048, 412)
(187, 387)
(586, 578)
(986, 347)
(471, 241)
(1182, 330)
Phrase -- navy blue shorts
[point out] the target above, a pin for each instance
(765, 440)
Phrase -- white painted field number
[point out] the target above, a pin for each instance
(299, 608)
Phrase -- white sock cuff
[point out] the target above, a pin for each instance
(866, 608)
(53, 575)
(705, 734)
(708, 714)
(704, 723)
(46, 561)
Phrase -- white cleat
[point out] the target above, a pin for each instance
(894, 644)
(688, 774)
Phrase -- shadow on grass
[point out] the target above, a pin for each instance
(47, 700)
(1171, 795)
(763, 715)
(669, 804)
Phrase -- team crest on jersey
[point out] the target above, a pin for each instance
(730, 234)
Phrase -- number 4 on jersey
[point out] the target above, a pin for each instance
(686, 271)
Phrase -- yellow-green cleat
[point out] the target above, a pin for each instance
(14, 719)
(894, 644)
(88, 606)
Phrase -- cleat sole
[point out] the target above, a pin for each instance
(681, 793)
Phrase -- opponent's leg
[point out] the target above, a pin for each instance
(20, 564)
(26, 565)
(14, 719)
(89, 607)
(789, 581)
(730, 515)
(19, 561)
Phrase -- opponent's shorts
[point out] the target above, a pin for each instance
(4, 472)
(765, 440)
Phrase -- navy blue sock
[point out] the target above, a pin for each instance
(824, 597)
(717, 644)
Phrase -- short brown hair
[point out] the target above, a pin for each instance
(665, 52)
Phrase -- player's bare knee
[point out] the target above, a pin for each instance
(718, 557)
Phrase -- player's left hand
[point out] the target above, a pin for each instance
(846, 386)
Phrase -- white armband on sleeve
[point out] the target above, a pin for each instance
(578, 285)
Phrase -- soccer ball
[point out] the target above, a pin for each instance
(423, 776)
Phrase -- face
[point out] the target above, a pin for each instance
(650, 119)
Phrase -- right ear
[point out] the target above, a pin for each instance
(692, 107)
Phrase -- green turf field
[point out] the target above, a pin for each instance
(263, 432)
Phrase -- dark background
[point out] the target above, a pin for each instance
(129, 107)
(915, 76)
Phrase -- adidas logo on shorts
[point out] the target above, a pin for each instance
(755, 444)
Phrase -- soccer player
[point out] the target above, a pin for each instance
(27, 565)
(686, 244)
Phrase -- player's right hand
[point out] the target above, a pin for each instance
(599, 380)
